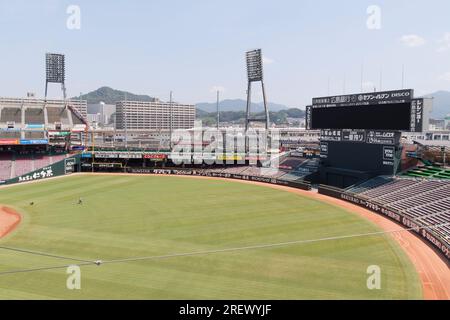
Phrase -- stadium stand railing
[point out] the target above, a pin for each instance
(421, 205)
(425, 201)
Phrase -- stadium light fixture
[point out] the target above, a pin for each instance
(255, 74)
(55, 67)
(254, 65)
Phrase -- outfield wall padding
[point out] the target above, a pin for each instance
(193, 172)
(60, 168)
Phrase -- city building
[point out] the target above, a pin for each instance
(101, 113)
(135, 115)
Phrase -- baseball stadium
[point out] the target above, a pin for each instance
(298, 222)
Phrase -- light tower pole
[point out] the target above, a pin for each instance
(255, 74)
(171, 122)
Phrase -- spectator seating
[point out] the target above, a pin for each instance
(17, 165)
(11, 115)
(426, 201)
(428, 172)
(5, 165)
(34, 116)
(23, 165)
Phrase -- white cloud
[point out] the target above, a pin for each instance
(445, 77)
(218, 88)
(267, 60)
(444, 43)
(412, 40)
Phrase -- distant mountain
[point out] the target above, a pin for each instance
(111, 96)
(238, 117)
(238, 105)
(441, 104)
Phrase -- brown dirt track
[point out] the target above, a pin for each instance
(433, 271)
(9, 220)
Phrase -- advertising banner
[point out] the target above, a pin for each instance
(193, 172)
(33, 141)
(154, 156)
(8, 142)
(386, 97)
(60, 168)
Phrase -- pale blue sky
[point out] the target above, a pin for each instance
(190, 46)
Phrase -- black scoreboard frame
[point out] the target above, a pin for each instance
(360, 147)
(389, 105)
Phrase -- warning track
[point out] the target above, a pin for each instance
(9, 220)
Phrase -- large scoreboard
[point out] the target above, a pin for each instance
(389, 110)
(360, 133)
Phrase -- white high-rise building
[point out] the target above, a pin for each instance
(135, 115)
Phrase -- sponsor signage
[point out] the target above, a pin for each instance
(154, 156)
(59, 133)
(107, 165)
(383, 137)
(388, 155)
(33, 141)
(7, 142)
(105, 155)
(38, 127)
(130, 155)
(255, 158)
(360, 136)
(43, 173)
(229, 157)
(56, 169)
(298, 185)
(308, 117)
(324, 150)
(354, 135)
(69, 165)
(417, 114)
(331, 135)
(386, 97)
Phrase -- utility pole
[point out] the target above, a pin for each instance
(328, 86)
(403, 76)
(344, 85)
(171, 122)
(444, 155)
(362, 77)
(125, 120)
(381, 79)
(218, 112)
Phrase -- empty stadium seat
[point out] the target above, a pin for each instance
(425, 200)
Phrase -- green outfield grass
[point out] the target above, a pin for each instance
(135, 216)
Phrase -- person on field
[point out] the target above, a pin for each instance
(80, 201)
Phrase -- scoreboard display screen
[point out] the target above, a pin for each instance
(382, 117)
(390, 110)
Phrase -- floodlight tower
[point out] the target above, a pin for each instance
(55, 72)
(255, 74)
